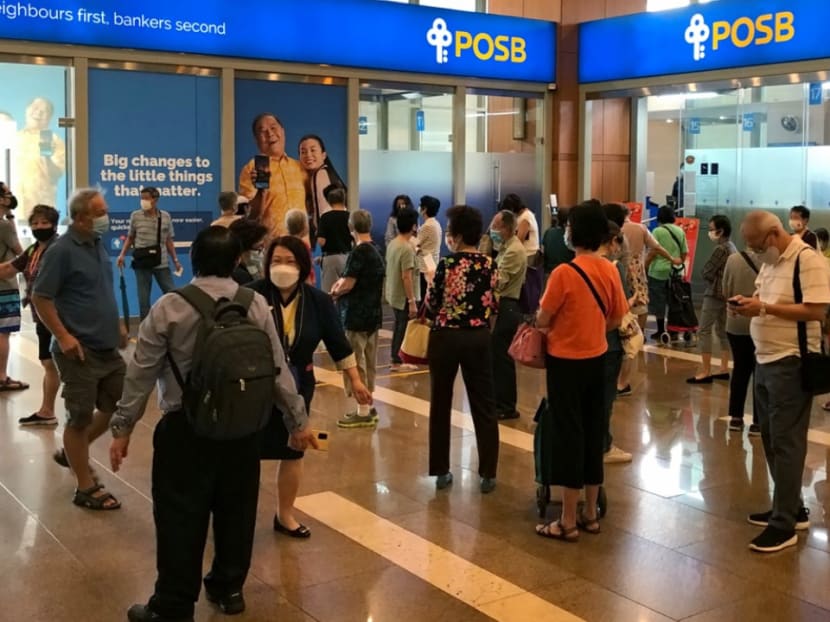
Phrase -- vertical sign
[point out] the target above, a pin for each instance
(419, 120)
(816, 94)
(363, 125)
(694, 126)
(749, 122)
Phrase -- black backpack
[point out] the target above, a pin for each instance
(229, 392)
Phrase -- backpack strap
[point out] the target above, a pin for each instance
(244, 297)
(587, 280)
(205, 306)
(749, 262)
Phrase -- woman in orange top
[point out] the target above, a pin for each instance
(583, 300)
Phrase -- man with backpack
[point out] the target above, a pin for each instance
(215, 398)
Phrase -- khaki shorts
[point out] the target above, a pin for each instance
(95, 382)
(365, 346)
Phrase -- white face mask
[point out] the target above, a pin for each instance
(450, 243)
(284, 276)
(101, 224)
(770, 256)
(146, 205)
(796, 225)
(713, 235)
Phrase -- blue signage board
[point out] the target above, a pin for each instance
(726, 34)
(358, 33)
(816, 93)
(749, 122)
(420, 121)
(694, 126)
(363, 126)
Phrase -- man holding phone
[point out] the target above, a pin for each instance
(41, 156)
(782, 404)
(274, 182)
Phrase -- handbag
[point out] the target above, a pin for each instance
(631, 335)
(815, 366)
(529, 346)
(148, 257)
(415, 346)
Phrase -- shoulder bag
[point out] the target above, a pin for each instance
(149, 257)
(529, 346)
(815, 366)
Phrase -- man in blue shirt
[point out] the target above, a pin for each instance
(74, 297)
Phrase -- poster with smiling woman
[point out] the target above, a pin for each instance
(288, 138)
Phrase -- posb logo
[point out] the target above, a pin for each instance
(501, 48)
(743, 32)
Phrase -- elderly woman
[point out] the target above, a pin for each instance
(296, 223)
(461, 300)
(304, 316)
(583, 300)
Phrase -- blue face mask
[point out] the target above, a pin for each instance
(498, 240)
(101, 224)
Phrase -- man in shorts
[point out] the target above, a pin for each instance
(74, 297)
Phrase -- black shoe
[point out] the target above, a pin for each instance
(229, 604)
(142, 613)
(761, 519)
(624, 392)
(696, 380)
(773, 539)
(754, 430)
(509, 415)
(736, 425)
(302, 532)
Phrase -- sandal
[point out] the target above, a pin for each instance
(10, 384)
(87, 499)
(567, 535)
(587, 525)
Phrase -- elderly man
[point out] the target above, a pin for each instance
(512, 264)
(286, 186)
(782, 404)
(73, 295)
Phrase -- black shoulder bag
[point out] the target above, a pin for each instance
(749, 262)
(815, 366)
(587, 280)
(149, 257)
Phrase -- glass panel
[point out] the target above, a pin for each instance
(34, 155)
(502, 155)
(405, 148)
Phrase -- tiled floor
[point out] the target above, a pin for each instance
(387, 547)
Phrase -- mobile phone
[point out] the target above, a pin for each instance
(733, 303)
(262, 166)
(46, 143)
(322, 439)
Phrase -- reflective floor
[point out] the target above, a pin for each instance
(387, 547)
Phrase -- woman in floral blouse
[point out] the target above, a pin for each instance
(461, 302)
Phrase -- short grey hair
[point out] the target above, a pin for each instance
(227, 201)
(296, 222)
(80, 201)
(361, 221)
(509, 220)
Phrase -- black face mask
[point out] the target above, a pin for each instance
(42, 235)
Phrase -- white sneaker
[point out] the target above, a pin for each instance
(403, 367)
(615, 455)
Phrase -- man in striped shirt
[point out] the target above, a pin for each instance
(782, 404)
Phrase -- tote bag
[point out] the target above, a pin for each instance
(529, 346)
(415, 344)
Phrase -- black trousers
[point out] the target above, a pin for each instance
(399, 331)
(192, 479)
(743, 356)
(504, 367)
(470, 349)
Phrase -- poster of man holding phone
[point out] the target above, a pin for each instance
(41, 158)
(274, 182)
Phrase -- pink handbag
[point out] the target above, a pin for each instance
(529, 346)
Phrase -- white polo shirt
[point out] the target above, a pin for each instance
(776, 338)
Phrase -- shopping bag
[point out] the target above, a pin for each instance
(631, 335)
(529, 346)
(416, 342)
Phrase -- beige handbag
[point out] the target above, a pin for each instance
(416, 342)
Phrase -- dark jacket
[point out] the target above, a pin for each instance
(317, 320)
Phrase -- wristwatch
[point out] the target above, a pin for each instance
(763, 312)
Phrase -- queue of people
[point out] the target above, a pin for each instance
(597, 264)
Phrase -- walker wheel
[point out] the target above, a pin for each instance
(665, 339)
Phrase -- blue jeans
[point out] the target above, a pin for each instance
(144, 283)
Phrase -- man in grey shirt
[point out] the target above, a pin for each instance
(149, 227)
(73, 295)
(194, 477)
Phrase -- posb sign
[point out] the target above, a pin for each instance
(485, 47)
(765, 29)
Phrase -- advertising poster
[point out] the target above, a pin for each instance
(32, 146)
(159, 130)
(295, 134)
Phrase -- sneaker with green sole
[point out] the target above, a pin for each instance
(353, 420)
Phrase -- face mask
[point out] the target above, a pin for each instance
(769, 256)
(713, 235)
(497, 238)
(568, 242)
(450, 243)
(101, 224)
(41, 235)
(796, 225)
(146, 205)
(285, 276)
